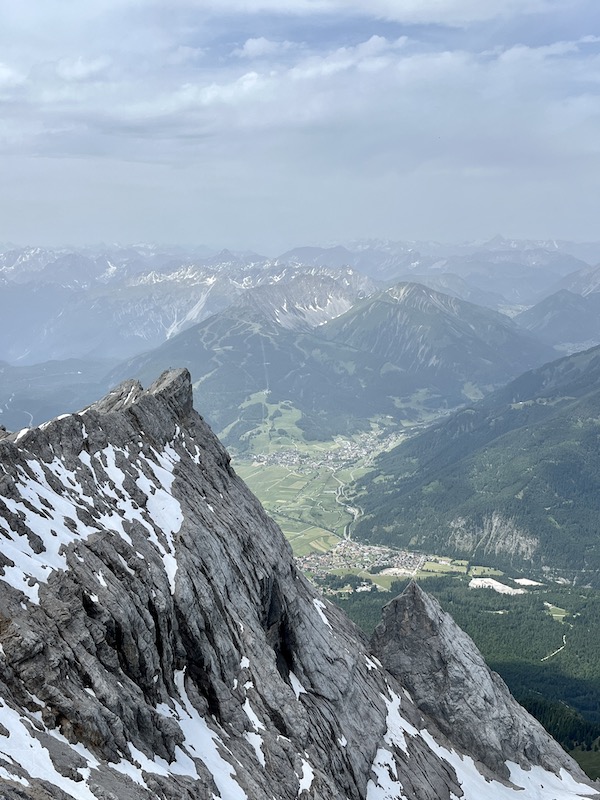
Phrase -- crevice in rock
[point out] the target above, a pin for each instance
(199, 669)
(276, 623)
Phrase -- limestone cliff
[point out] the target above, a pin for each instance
(448, 679)
(157, 640)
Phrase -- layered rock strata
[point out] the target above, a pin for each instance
(157, 640)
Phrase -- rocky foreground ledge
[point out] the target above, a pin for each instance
(157, 640)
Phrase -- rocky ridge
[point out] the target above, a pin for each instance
(422, 646)
(157, 640)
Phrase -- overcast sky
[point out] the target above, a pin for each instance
(266, 124)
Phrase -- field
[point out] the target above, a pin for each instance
(307, 499)
(443, 566)
(557, 613)
(304, 490)
(383, 582)
(303, 484)
(307, 502)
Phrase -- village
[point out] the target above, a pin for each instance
(364, 448)
(349, 555)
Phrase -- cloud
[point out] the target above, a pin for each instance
(406, 90)
(184, 54)
(394, 99)
(445, 12)
(280, 111)
(9, 77)
(81, 69)
(261, 47)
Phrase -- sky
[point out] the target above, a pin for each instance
(268, 124)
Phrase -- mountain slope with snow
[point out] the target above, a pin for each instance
(158, 640)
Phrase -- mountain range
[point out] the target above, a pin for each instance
(565, 319)
(354, 343)
(124, 300)
(157, 640)
(395, 354)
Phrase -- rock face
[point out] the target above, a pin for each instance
(156, 639)
(496, 534)
(423, 648)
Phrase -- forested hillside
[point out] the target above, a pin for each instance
(514, 478)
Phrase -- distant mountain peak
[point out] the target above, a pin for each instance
(406, 290)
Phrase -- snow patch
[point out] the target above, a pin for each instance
(497, 586)
(386, 785)
(535, 783)
(203, 743)
(297, 686)
(320, 606)
(255, 739)
(251, 714)
(22, 747)
(306, 780)
(51, 513)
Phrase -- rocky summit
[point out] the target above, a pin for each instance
(158, 641)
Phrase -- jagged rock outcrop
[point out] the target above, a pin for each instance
(440, 665)
(157, 640)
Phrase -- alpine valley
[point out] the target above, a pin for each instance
(411, 414)
(513, 479)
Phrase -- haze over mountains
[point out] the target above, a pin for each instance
(308, 351)
(121, 284)
(371, 361)
(108, 304)
(289, 350)
(565, 319)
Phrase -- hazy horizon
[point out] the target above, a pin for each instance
(205, 250)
